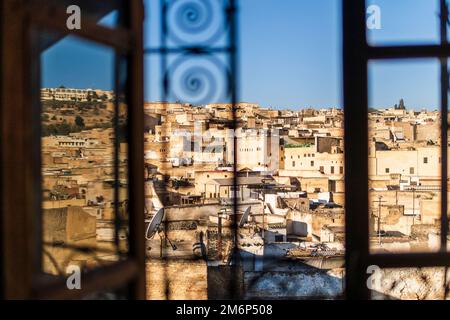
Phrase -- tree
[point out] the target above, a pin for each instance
(79, 121)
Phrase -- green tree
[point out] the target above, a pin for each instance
(79, 121)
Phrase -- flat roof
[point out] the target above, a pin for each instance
(242, 181)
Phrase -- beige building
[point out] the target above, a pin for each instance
(306, 158)
(205, 185)
(422, 162)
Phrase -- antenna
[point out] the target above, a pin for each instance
(244, 218)
(154, 227)
(154, 224)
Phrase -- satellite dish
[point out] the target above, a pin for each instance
(154, 224)
(244, 218)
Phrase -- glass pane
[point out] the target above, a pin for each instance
(290, 217)
(402, 22)
(404, 155)
(291, 139)
(188, 145)
(110, 20)
(84, 220)
(187, 148)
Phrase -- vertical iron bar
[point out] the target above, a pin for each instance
(444, 136)
(233, 83)
(135, 129)
(116, 162)
(163, 35)
(444, 126)
(165, 89)
(356, 151)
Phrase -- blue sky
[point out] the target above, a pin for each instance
(414, 80)
(290, 55)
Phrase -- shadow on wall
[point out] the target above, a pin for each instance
(410, 283)
(261, 273)
(195, 272)
(276, 276)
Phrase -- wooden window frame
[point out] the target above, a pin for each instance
(356, 55)
(20, 223)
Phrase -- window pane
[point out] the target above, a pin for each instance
(84, 218)
(189, 151)
(291, 240)
(292, 137)
(402, 22)
(110, 20)
(404, 156)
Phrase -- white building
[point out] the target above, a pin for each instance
(258, 149)
(71, 94)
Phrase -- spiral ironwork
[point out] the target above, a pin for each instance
(197, 80)
(195, 22)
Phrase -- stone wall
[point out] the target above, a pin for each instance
(408, 283)
(66, 226)
(176, 279)
(194, 280)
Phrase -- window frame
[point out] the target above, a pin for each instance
(356, 55)
(20, 148)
